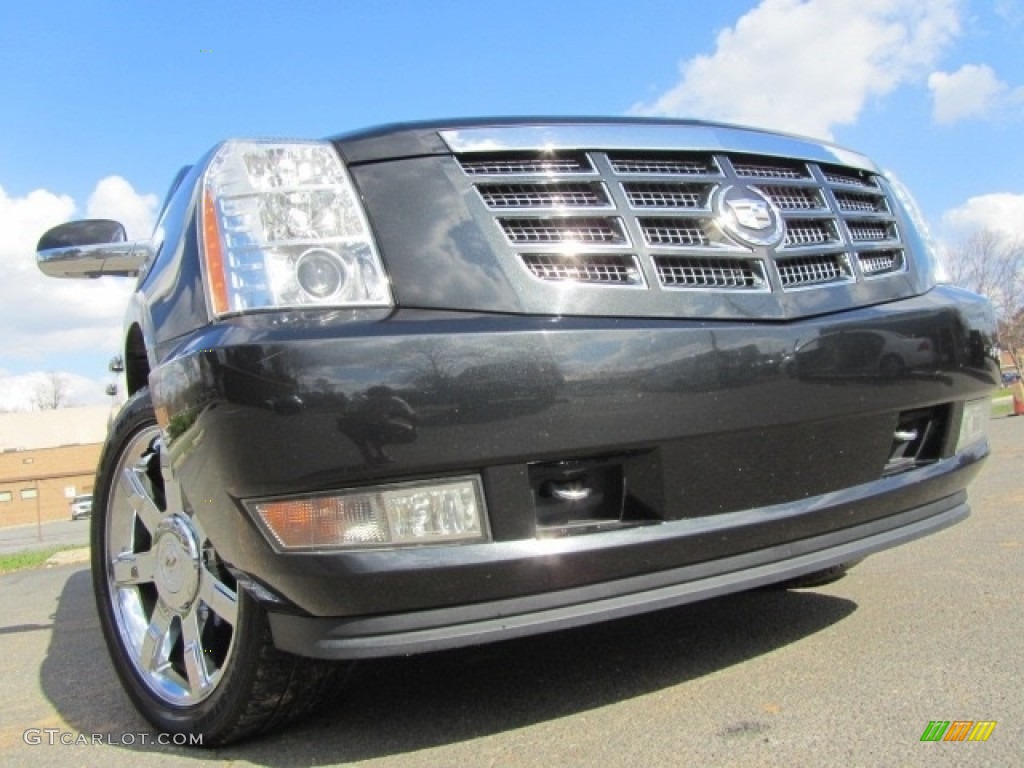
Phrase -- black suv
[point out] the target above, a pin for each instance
(436, 384)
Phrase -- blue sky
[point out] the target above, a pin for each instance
(102, 102)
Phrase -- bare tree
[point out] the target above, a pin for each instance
(992, 264)
(1011, 337)
(52, 392)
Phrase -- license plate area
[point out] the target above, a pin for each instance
(587, 495)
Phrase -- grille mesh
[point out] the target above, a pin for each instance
(802, 232)
(673, 232)
(793, 198)
(667, 195)
(526, 165)
(618, 269)
(868, 232)
(881, 262)
(853, 202)
(769, 169)
(843, 176)
(695, 272)
(812, 270)
(543, 195)
(672, 166)
(570, 230)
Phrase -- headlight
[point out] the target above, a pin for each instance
(910, 207)
(282, 227)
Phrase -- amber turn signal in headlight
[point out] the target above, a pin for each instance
(443, 511)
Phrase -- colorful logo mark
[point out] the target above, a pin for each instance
(958, 730)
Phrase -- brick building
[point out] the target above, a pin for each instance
(46, 458)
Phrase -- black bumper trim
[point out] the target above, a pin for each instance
(424, 631)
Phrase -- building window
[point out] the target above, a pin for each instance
(29, 493)
(5, 496)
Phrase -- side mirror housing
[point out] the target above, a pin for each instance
(90, 248)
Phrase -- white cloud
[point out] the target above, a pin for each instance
(973, 91)
(809, 65)
(114, 198)
(23, 220)
(1000, 212)
(43, 318)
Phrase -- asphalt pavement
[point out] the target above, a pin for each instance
(846, 675)
(57, 533)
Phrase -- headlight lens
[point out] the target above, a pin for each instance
(282, 227)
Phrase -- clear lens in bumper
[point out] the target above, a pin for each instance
(402, 514)
(974, 423)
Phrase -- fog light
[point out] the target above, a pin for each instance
(974, 423)
(437, 512)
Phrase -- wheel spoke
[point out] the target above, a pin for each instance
(133, 568)
(195, 656)
(172, 491)
(222, 600)
(153, 656)
(139, 498)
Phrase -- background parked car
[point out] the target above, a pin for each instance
(81, 506)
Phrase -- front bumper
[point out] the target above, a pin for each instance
(331, 638)
(748, 453)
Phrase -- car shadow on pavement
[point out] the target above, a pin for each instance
(393, 706)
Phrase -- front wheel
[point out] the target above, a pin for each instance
(191, 648)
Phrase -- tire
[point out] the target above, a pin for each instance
(816, 578)
(192, 650)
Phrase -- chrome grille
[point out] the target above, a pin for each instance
(804, 271)
(667, 195)
(543, 195)
(646, 217)
(568, 230)
(695, 272)
(617, 269)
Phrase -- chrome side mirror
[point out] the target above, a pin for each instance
(90, 248)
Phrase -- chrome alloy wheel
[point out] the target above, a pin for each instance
(174, 605)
